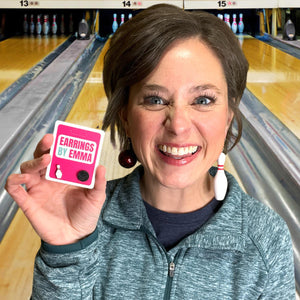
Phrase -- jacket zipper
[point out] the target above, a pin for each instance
(171, 272)
(171, 269)
(171, 264)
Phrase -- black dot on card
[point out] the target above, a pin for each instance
(83, 175)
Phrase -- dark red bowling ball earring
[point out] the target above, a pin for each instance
(127, 158)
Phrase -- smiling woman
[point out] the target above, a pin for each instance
(186, 107)
(174, 80)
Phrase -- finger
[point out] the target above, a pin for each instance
(14, 188)
(100, 185)
(43, 146)
(36, 165)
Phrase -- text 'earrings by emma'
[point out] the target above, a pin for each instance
(220, 180)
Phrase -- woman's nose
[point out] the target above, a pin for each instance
(177, 120)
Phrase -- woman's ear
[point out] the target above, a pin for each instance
(124, 120)
(230, 116)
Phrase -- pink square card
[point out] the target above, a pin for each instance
(75, 154)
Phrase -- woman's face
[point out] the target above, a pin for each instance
(178, 117)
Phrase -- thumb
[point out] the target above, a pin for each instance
(100, 185)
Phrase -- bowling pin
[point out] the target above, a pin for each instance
(54, 25)
(129, 16)
(25, 24)
(227, 20)
(220, 180)
(220, 16)
(38, 25)
(122, 19)
(31, 25)
(241, 24)
(234, 24)
(48, 22)
(115, 23)
(45, 25)
(58, 172)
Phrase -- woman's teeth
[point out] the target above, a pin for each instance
(178, 151)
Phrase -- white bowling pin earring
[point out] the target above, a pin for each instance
(220, 180)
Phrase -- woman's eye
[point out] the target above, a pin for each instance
(153, 100)
(203, 101)
(154, 103)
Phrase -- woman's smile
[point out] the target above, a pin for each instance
(178, 155)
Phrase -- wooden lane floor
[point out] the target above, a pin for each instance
(274, 78)
(19, 54)
(17, 251)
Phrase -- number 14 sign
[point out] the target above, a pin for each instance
(131, 3)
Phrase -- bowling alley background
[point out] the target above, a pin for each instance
(266, 161)
(12, 21)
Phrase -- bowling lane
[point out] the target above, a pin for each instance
(20, 243)
(91, 103)
(19, 54)
(274, 79)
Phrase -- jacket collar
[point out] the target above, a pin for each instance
(226, 230)
(124, 206)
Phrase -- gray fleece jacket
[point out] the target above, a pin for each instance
(243, 252)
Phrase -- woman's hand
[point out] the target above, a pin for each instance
(59, 213)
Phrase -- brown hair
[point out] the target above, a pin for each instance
(138, 45)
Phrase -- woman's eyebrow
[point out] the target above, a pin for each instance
(204, 87)
(155, 87)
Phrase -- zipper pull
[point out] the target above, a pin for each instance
(171, 269)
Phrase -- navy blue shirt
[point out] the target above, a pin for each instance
(171, 228)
